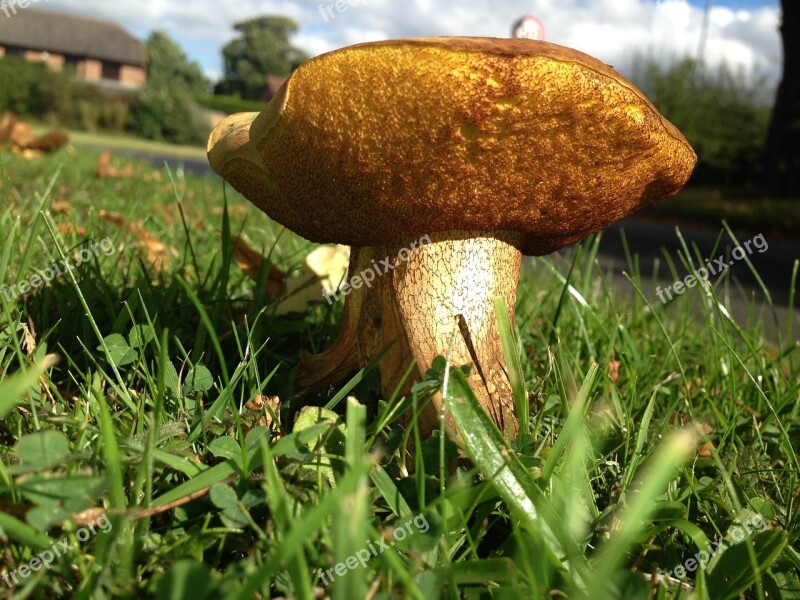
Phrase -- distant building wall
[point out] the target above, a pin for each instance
(54, 61)
(90, 69)
(132, 76)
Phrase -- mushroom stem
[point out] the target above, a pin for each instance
(425, 295)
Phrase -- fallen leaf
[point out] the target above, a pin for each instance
(613, 370)
(61, 207)
(152, 176)
(49, 142)
(7, 122)
(29, 335)
(703, 430)
(250, 261)
(261, 403)
(112, 217)
(706, 450)
(65, 228)
(89, 517)
(159, 254)
(324, 270)
(29, 154)
(234, 210)
(104, 169)
(21, 134)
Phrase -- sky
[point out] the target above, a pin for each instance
(743, 33)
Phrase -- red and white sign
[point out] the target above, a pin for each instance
(528, 27)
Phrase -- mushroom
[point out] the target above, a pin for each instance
(487, 148)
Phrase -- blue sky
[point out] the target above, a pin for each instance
(742, 32)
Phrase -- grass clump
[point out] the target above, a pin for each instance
(146, 398)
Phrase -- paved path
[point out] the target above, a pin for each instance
(773, 259)
(651, 240)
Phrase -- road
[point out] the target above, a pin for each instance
(773, 260)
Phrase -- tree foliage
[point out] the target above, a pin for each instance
(169, 117)
(169, 69)
(723, 115)
(262, 48)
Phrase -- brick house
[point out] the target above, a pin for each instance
(99, 51)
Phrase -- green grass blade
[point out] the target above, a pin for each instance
(573, 424)
(658, 472)
(23, 533)
(12, 391)
(515, 374)
(489, 451)
(222, 471)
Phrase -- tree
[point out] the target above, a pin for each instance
(169, 69)
(262, 49)
(783, 144)
(723, 114)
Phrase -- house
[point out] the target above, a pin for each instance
(99, 51)
(272, 83)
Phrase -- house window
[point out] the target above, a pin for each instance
(15, 51)
(111, 71)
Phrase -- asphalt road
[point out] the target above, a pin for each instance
(772, 259)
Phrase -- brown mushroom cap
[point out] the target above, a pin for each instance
(386, 140)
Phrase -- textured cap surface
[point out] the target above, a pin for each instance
(401, 138)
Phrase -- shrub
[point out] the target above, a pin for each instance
(166, 117)
(91, 108)
(30, 89)
(724, 116)
(228, 104)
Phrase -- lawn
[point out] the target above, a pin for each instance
(154, 445)
(127, 143)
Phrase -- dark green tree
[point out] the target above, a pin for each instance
(262, 48)
(723, 114)
(169, 69)
(783, 146)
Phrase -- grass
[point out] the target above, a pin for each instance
(151, 431)
(127, 142)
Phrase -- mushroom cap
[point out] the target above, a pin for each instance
(386, 140)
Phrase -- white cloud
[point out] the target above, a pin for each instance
(611, 30)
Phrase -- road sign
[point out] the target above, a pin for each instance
(528, 27)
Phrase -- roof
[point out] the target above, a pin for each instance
(69, 34)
